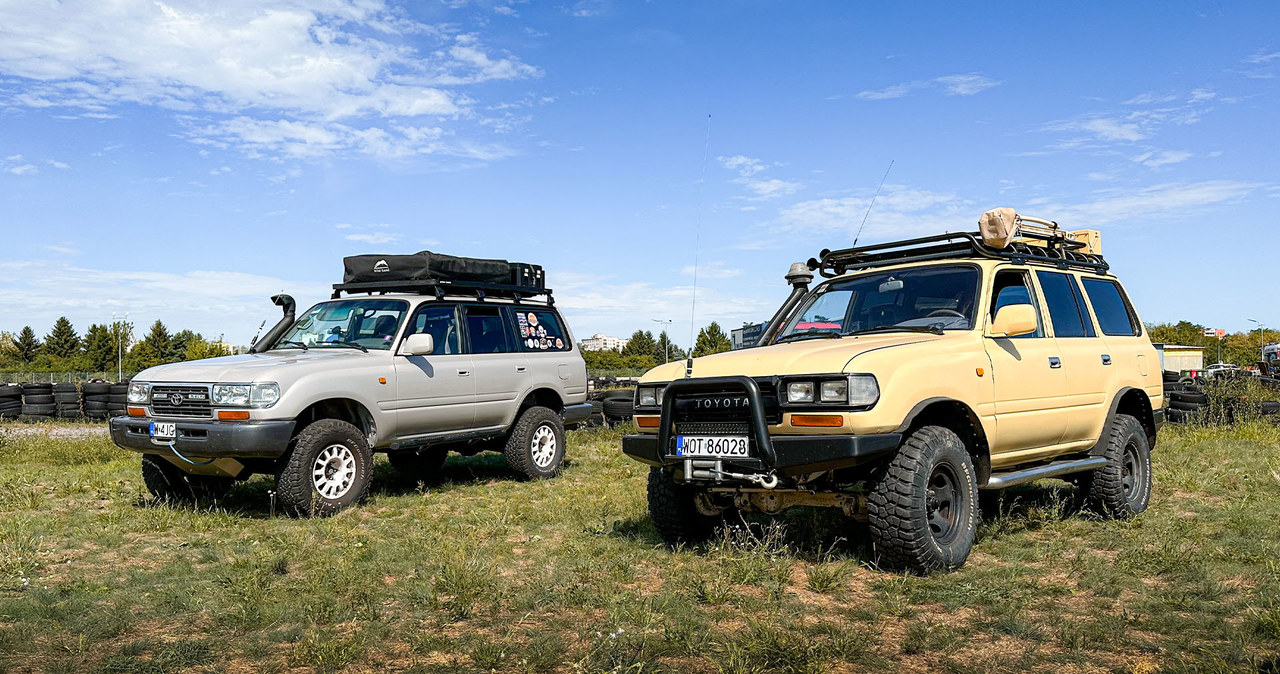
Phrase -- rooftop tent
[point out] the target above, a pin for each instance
(425, 266)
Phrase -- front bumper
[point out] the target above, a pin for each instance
(796, 454)
(207, 439)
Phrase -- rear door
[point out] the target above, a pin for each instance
(502, 370)
(1027, 378)
(437, 392)
(1133, 359)
(1084, 357)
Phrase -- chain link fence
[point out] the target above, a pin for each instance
(58, 377)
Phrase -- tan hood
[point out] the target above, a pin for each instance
(812, 356)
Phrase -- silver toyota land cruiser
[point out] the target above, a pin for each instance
(415, 356)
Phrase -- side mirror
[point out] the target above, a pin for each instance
(418, 344)
(1013, 320)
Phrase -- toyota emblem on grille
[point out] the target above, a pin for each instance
(175, 399)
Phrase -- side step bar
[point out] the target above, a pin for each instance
(1002, 480)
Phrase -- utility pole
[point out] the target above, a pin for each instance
(1262, 336)
(666, 343)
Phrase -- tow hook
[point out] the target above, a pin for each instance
(769, 481)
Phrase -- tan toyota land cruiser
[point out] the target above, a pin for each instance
(922, 371)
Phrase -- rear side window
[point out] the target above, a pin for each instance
(1115, 315)
(1066, 308)
(486, 330)
(540, 330)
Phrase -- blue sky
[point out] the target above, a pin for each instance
(183, 160)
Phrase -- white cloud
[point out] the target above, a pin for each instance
(745, 166)
(899, 212)
(1262, 56)
(65, 250)
(772, 188)
(1148, 114)
(58, 164)
(374, 237)
(212, 302)
(1156, 159)
(22, 169)
(966, 84)
(711, 270)
(1136, 205)
(301, 67)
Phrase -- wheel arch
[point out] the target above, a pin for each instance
(542, 396)
(959, 418)
(341, 409)
(1136, 403)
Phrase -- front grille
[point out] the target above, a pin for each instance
(728, 407)
(712, 428)
(194, 403)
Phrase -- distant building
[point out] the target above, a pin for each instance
(599, 342)
(746, 335)
(1177, 358)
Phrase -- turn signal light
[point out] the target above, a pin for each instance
(648, 422)
(137, 411)
(819, 420)
(233, 415)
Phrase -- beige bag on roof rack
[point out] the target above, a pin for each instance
(998, 227)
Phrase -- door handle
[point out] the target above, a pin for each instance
(1055, 362)
(464, 373)
(1106, 359)
(521, 368)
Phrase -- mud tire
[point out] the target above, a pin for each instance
(170, 484)
(295, 483)
(536, 422)
(912, 529)
(1122, 488)
(674, 511)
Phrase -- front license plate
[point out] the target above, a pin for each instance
(711, 445)
(163, 430)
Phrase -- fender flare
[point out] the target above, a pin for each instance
(1147, 419)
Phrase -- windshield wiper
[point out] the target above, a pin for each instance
(806, 335)
(287, 341)
(350, 345)
(932, 328)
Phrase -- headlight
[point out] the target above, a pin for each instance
(261, 394)
(139, 392)
(835, 391)
(649, 396)
(800, 392)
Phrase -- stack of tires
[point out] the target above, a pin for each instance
(66, 397)
(118, 400)
(617, 406)
(38, 402)
(10, 401)
(96, 396)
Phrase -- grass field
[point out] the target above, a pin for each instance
(477, 572)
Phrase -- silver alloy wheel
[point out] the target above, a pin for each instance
(543, 446)
(334, 471)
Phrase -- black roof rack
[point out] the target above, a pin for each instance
(442, 288)
(1057, 251)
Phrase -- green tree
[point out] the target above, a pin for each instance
(62, 341)
(640, 344)
(711, 339)
(665, 350)
(606, 359)
(178, 344)
(99, 349)
(153, 350)
(200, 348)
(26, 346)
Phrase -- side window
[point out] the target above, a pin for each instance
(485, 330)
(441, 322)
(1115, 315)
(540, 330)
(1013, 287)
(1062, 298)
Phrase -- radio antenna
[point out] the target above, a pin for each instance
(873, 203)
(697, 240)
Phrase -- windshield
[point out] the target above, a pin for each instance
(922, 298)
(368, 323)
